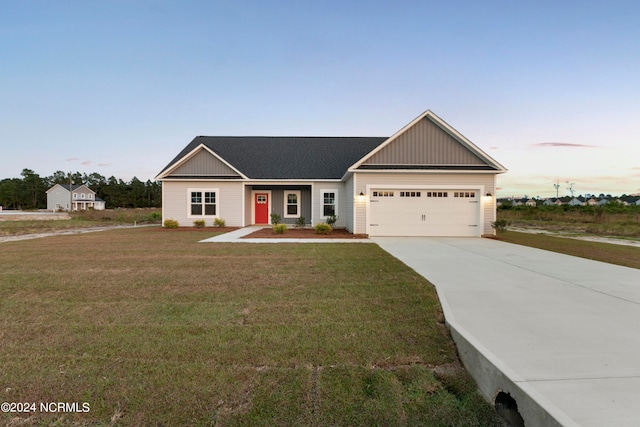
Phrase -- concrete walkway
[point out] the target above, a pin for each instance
(560, 334)
(236, 236)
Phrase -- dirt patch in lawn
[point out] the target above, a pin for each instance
(303, 233)
(32, 216)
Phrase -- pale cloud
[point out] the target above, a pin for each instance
(72, 159)
(86, 163)
(563, 144)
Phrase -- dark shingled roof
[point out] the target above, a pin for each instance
(270, 157)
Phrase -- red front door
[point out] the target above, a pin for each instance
(261, 202)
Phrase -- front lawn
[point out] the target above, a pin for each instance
(628, 256)
(150, 327)
(78, 220)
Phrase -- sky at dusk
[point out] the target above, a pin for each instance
(550, 89)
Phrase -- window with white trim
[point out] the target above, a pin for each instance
(291, 204)
(329, 202)
(203, 202)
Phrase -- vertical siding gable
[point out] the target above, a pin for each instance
(425, 143)
(203, 163)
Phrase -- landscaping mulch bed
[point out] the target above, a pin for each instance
(304, 233)
(218, 230)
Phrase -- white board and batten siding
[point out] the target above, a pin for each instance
(407, 204)
(176, 201)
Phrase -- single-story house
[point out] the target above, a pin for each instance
(531, 202)
(425, 180)
(81, 198)
(552, 202)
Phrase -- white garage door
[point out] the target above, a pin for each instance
(401, 212)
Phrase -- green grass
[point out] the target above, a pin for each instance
(610, 220)
(628, 256)
(152, 328)
(83, 219)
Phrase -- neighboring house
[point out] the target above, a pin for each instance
(575, 202)
(82, 198)
(531, 202)
(552, 202)
(425, 180)
(592, 202)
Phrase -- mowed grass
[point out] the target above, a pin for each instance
(79, 220)
(152, 328)
(628, 256)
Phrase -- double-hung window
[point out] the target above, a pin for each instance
(291, 204)
(329, 202)
(202, 202)
(209, 203)
(196, 203)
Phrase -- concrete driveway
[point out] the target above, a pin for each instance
(559, 334)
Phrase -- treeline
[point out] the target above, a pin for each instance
(30, 191)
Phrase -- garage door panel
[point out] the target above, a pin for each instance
(423, 212)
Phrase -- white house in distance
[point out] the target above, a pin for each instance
(82, 198)
(425, 180)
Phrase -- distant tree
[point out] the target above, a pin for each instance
(137, 193)
(153, 194)
(29, 192)
(58, 177)
(34, 190)
(10, 193)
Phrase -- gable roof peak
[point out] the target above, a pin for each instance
(457, 137)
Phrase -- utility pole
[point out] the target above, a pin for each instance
(70, 194)
(557, 186)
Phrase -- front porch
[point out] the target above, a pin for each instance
(290, 202)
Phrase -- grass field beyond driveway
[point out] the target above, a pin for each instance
(150, 327)
(628, 256)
